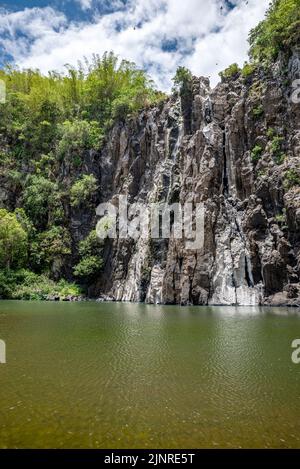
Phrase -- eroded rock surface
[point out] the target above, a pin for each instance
(200, 149)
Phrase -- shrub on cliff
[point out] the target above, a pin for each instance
(83, 190)
(40, 197)
(13, 241)
(248, 70)
(90, 252)
(182, 80)
(256, 153)
(278, 32)
(88, 267)
(233, 71)
(50, 248)
(291, 179)
(76, 137)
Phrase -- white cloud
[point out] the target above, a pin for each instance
(208, 38)
(216, 51)
(85, 4)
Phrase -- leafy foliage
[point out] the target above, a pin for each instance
(83, 190)
(281, 217)
(88, 267)
(291, 178)
(276, 149)
(39, 198)
(26, 285)
(256, 153)
(90, 251)
(233, 71)
(182, 80)
(50, 247)
(76, 137)
(278, 32)
(258, 112)
(248, 70)
(51, 117)
(13, 241)
(109, 83)
(50, 127)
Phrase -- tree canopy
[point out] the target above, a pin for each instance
(182, 79)
(13, 241)
(43, 111)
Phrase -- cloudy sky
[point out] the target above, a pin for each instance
(159, 35)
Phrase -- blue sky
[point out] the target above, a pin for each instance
(74, 10)
(159, 35)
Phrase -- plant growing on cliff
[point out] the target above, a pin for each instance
(278, 32)
(183, 80)
(83, 190)
(109, 80)
(248, 70)
(77, 137)
(90, 251)
(281, 217)
(256, 153)
(88, 267)
(39, 196)
(233, 71)
(276, 149)
(49, 248)
(121, 109)
(13, 241)
(271, 132)
(291, 179)
(258, 112)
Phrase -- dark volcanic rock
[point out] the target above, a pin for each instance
(198, 149)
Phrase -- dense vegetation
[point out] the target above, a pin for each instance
(280, 31)
(47, 125)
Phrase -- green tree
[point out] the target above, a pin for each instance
(77, 137)
(278, 32)
(90, 251)
(50, 248)
(83, 190)
(88, 267)
(13, 241)
(40, 196)
(110, 81)
(182, 79)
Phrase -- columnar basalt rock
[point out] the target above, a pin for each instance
(199, 149)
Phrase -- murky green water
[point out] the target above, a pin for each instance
(94, 375)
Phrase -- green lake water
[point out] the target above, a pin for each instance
(104, 375)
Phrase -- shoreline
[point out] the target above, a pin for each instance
(100, 301)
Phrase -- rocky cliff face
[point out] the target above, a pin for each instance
(236, 149)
